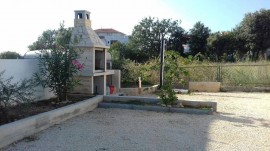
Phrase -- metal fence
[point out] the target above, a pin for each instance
(231, 74)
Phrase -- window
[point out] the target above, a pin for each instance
(79, 16)
(87, 16)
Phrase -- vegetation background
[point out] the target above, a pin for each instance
(236, 57)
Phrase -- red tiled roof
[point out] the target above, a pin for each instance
(107, 30)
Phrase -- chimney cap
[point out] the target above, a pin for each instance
(82, 11)
(82, 14)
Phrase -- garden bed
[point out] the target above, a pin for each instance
(26, 127)
(152, 104)
(29, 109)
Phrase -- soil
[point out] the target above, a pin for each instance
(29, 109)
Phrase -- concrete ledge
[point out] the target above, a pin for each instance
(26, 127)
(204, 86)
(155, 108)
(156, 100)
(109, 98)
(244, 89)
(200, 104)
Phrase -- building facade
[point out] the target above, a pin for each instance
(109, 36)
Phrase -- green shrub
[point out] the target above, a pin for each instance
(10, 55)
(167, 95)
(132, 70)
(191, 69)
(58, 67)
(244, 74)
(14, 93)
(172, 73)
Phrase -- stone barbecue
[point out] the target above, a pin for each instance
(96, 76)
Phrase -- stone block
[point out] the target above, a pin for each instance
(204, 86)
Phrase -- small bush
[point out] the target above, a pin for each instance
(58, 67)
(14, 93)
(132, 70)
(172, 73)
(167, 95)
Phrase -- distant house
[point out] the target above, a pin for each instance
(109, 36)
(186, 48)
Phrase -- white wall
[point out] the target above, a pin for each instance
(23, 69)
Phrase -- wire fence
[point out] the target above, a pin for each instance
(230, 74)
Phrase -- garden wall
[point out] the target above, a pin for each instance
(21, 69)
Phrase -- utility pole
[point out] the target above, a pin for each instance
(162, 50)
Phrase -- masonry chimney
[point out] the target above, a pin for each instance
(82, 31)
(82, 18)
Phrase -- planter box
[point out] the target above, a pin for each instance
(124, 99)
(26, 127)
(155, 108)
(204, 86)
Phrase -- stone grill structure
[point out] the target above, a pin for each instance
(96, 76)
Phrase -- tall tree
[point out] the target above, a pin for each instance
(44, 41)
(118, 51)
(220, 44)
(10, 55)
(255, 30)
(47, 40)
(198, 38)
(146, 37)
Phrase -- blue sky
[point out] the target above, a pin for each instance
(23, 21)
(218, 15)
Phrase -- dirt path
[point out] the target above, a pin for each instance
(242, 123)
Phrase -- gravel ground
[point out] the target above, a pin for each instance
(242, 123)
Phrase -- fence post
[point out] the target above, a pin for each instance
(221, 78)
(219, 72)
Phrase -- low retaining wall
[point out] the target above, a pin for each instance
(155, 108)
(135, 91)
(200, 104)
(108, 98)
(204, 86)
(26, 127)
(156, 100)
(244, 89)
